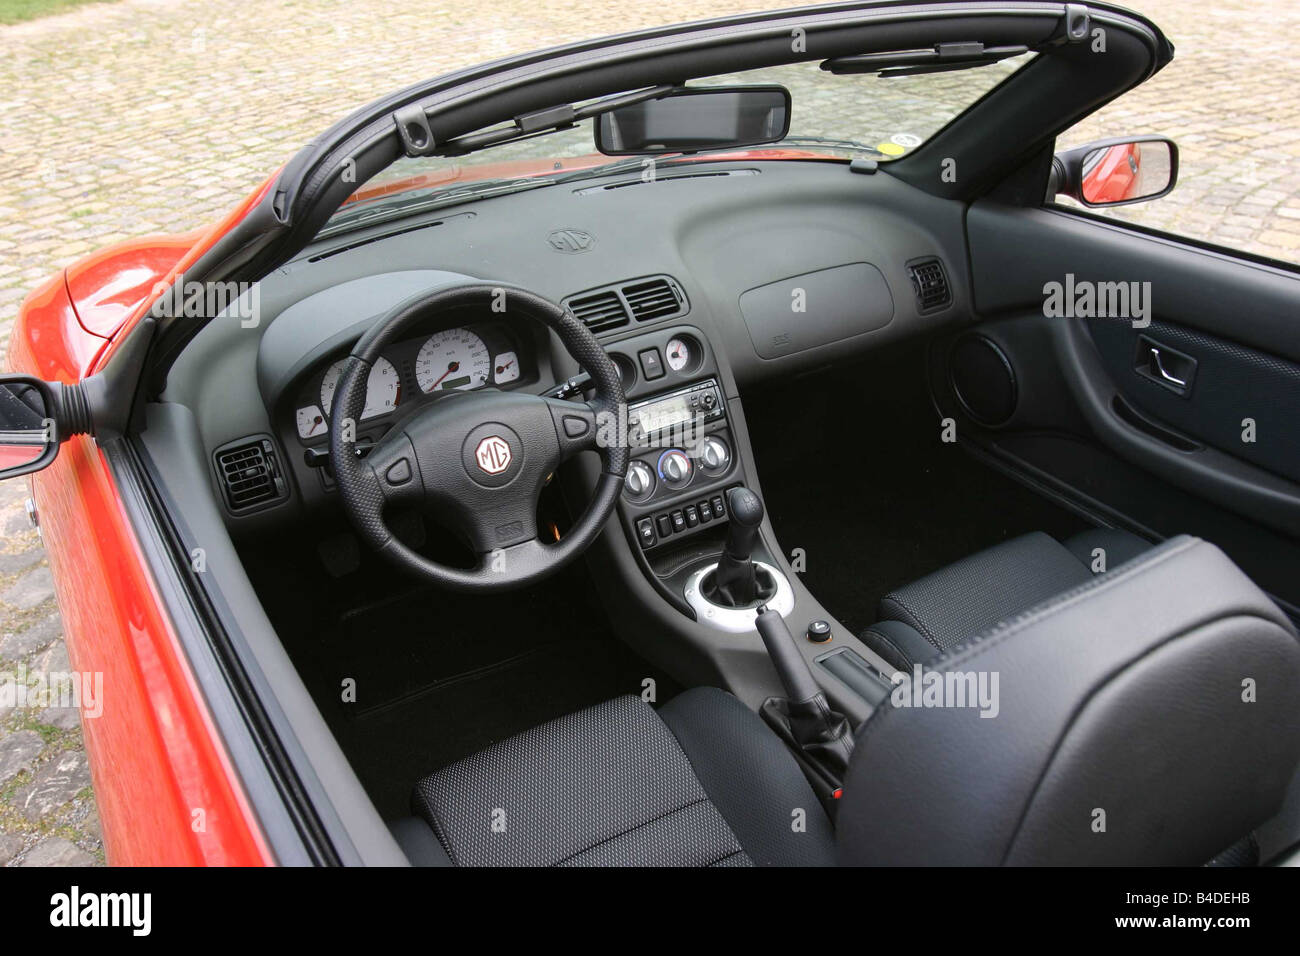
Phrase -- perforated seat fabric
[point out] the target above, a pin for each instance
(931, 615)
(617, 785)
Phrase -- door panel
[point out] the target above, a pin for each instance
(1153, 442)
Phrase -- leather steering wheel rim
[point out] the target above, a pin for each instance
(451, 452)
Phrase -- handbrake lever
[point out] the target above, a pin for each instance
(822, 735)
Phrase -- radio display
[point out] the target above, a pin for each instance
(663, 414)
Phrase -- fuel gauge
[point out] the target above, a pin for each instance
(311, 422)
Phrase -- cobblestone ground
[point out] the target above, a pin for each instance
(158, 115)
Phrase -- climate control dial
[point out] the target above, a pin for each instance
(714, 456)
(675, 468)
(639, 483)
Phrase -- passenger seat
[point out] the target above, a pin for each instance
(933, 614)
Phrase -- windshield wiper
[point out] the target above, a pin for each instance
(943, 58)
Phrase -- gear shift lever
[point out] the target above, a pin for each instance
(735, 582)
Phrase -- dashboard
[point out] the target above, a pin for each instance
(779, 271)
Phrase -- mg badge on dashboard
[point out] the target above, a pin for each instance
(493, 454)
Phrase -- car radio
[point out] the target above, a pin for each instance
(675, 419)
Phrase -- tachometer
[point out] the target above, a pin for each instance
(454, 360)
(383, 387)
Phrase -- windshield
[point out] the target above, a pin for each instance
(832, 117)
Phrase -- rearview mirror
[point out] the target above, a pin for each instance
(1116, 172)
(28, 437)
(696, 118)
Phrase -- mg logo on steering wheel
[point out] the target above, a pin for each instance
(493, 454)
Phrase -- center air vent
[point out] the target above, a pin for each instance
(655, 298)
(249, 474)
(931, 285)
(645, 300)
(599, 311)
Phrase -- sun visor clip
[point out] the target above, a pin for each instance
(413, 127)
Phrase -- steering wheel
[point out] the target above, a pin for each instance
(480, 459)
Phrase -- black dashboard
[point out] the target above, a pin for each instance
(789, 267)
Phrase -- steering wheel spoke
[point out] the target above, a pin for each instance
(579, 427)
(395, 469)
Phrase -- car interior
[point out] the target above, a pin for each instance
(859, 450)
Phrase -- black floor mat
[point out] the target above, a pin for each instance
(854, 473)
(438, 675)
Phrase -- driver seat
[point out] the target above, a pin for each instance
(1146, 717)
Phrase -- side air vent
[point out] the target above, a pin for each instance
(249, 474)
(599, 311)
(931, 284)
(655, 298)
(648, 299)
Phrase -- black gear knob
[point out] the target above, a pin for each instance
(746, 511)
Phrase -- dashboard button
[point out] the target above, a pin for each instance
(692, 516)
(398, 473)
(719, 510)
(645, 530)
(706, 512)
(665, 524)
(679, 521)
(574, 426)
(652, 364)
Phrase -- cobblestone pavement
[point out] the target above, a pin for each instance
(158, 115)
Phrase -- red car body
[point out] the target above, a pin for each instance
(162, 778)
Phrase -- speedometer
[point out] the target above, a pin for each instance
(383, 387)
(454, 360)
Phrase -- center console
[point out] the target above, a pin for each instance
(685, 458)
(695, 567)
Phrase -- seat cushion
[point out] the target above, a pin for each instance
(933, 614)
(617, 785)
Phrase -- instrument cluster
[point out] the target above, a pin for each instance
(458, 359)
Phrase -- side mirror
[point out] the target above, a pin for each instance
(29, 437)
(1115, 172)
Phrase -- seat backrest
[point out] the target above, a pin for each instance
(1148, 717)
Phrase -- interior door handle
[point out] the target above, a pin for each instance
(1167, 367)
(1159, 366)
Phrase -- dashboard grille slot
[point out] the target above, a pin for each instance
(646, 299)
(665, 178)
(654, 299)
(249, 474)
(931, 284)
(600, 311)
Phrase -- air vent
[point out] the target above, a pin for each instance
(656, 298)
(647, 299)
(599, 311)
(931, 285)
(249, 474)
